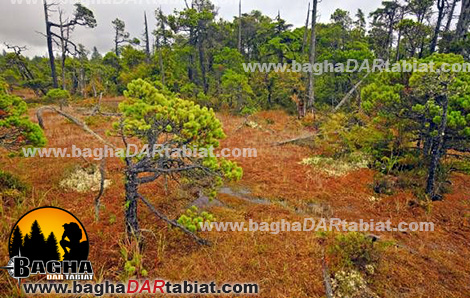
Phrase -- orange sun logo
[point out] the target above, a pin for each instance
(49, 233)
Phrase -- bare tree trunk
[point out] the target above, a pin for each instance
(350, 93)
(397, 58)
(240, 27)
(437, 29)
(64, 50)
(304, 40)
(50, 50)
(451, 16)
(116, 43)
(202, 65)
(464, 21)
(162, 67)
(313, 42)
(83, 81)
(147, 39)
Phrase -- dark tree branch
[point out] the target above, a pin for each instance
(198, 239)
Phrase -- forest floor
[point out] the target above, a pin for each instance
(422, 264)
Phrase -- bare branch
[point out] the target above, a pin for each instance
(100, 193)
(198, 239)
(76, 121)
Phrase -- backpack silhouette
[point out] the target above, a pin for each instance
(73, 248)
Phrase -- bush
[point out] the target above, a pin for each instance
(3, 86)
(9, 181)
(58, 96)
(355, 251)
(16, 129)
(12, 190)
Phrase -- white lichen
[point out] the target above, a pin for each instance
(84, 180)
(337, 167)
(350, 284)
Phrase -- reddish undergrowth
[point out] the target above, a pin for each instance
(424, 264)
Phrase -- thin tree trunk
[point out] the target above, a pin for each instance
(192, 43)
(350, 93)
(240, 27)
(313, 42)
(397, 58)
(304, 40)
(437, 29)
(162, 67)
(50, 50)
(451, 16)
(437, 150)
(147, 39)
(389, 41)
(116, 43)
(64, 50)
(202, 65)
(464, 21)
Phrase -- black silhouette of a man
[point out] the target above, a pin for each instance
(73, 248)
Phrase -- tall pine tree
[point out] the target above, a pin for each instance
(16, 242)
(52, 249)
(36, 244)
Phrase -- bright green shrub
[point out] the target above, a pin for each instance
(16, 130)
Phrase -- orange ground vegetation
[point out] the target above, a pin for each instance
(427, 264)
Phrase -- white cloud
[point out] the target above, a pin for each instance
(19, 22)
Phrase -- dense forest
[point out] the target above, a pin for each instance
(402, 138)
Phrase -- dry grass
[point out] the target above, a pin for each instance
(434, 264)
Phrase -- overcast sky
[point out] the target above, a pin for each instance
(19, 23)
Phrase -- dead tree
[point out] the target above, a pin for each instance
(350, 93)
(50, 49)
(240, 27)
(160, 39)
(304, 40)
(21, 64)
(313, 42)
(81, 17)
(146, 37)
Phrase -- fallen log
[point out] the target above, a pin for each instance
(296, 140)
(76, 121)
(350, 93)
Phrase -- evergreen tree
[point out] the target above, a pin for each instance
(152, 117)
(52, 248)
(36, 245)
(16, 242)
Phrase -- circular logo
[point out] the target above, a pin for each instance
(49, 234)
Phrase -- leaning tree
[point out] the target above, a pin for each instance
(81, 17)
(169, 124)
